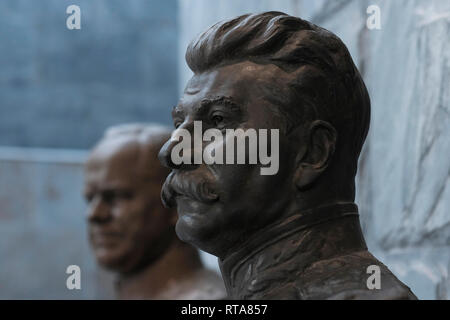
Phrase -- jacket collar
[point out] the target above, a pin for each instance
(245, 263)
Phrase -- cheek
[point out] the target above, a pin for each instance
(130, 217)
(146, 219)
(246, 182)
(235, 180)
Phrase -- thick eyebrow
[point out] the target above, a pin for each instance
(109, 187)
(205, 104)
(176, 111)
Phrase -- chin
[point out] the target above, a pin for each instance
(111, 259)
(187, 230)
(200, 236)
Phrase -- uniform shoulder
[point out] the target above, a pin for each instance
(346, 277)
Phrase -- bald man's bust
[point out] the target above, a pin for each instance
(130, 232)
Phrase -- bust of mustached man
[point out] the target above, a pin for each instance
(130, 231)
(294, 234)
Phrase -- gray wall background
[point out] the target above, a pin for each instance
(61, 88)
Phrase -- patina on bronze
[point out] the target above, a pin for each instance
(130, 231)
(295, 234)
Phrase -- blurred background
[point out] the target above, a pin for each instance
(60, 89)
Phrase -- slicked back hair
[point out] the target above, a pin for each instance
(291, 43)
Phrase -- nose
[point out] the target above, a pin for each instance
(184, 150)
(97, 211)
(164, 155)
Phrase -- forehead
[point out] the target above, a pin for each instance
(113, 161)
(244, 82)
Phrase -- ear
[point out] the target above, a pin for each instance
(312, 160)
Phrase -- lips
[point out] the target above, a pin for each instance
(99, 237)
(180, 184)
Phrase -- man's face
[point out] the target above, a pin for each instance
(220, 205)
(128, 227)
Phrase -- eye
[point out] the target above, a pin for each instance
(109, 196)
(124, 195)
(88, 197)
(217, 119)
(177, 123)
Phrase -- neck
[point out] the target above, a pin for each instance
(177, 263)
(291, 245)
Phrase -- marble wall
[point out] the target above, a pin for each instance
(404, 181)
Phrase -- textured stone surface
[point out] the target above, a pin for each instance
(61, 88)
(403, 182)
(408, 75)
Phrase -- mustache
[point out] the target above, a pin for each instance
(183, 184)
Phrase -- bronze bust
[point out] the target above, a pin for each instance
(131, 233)
(295, 234)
